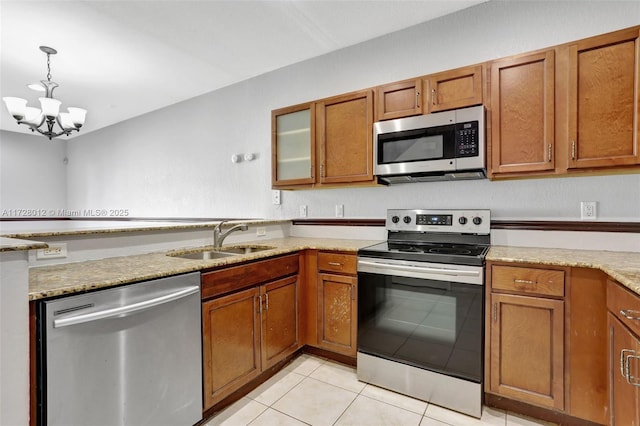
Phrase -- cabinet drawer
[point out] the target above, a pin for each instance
(336, 262)
(234, 278)
(528, 280)
(625, 305)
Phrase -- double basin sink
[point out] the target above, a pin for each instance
(208, 254)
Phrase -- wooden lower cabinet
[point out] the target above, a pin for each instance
(527, 357)
(337, 313)
(248, 331)
(231, 343)
(337, 302)
(546, 329)
(279, 320)
(624, 355)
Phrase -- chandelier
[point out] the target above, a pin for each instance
(49, 111)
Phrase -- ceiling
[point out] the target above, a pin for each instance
(121, 59)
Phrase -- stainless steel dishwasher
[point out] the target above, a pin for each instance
(123, 356)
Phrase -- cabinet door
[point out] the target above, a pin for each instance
(457, 88)
(337, 313)
(624, 349)
(344, 127)
(231, 343)
(604, 100)
(527, 356)
(279, 320)
(523, 114)
(293, 145)
(401, 99)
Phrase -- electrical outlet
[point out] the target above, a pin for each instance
(54, 251)
(303, 210)
(339, 210)
(275, 196)
(261, 231)
(588, 210)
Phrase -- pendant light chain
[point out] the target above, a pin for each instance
(49, 67)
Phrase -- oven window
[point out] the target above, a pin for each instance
(429, 324)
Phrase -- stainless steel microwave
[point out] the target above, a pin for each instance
(440, 146)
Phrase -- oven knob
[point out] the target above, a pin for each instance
(462, 220)
(407, 219)
(477, 220)
(395, 219)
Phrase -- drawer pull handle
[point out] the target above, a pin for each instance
(632, 380)
(630, 314)
(525, 282)
(335, 264)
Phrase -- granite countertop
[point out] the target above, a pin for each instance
(68, 278)
(15, 244)
(55, 228)
(624, 267)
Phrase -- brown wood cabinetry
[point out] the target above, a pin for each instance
(624, 355)
(458, 88)
(337, 303)
(522, 108)
(247, 330)
(526, 335)
(293, 145)
(344, 135)
(401, 99)
(604, 100)
(546, 341)
(327, 142)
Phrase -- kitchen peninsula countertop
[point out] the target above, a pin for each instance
(55, 228)
(621, 266)
(68, 278)
(15, 244)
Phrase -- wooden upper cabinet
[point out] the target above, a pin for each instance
(457, 88)
(604, 100)
(523, 113)
(293, 151)
(401, 99)
(344, 132)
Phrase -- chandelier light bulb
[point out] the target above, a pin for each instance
(49, 113)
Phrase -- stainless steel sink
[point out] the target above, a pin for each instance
(208, 254)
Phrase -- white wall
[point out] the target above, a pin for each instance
(32, 174)
(176, 161)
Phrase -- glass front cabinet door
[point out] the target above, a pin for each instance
(293, 146)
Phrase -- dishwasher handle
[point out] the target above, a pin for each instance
(127, 309)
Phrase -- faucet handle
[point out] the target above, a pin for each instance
(219, 225)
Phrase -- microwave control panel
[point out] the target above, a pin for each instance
(467, 139)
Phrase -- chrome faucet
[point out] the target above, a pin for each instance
(218, 237)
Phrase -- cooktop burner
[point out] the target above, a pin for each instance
(437, 253)
(436, 236)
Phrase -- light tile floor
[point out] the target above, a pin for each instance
(315, 391)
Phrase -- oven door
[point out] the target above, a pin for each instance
(422, 315)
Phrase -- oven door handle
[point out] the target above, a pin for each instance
(412, 268)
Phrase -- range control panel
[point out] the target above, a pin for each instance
(458, 221)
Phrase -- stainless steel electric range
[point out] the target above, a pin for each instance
(420, 307)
